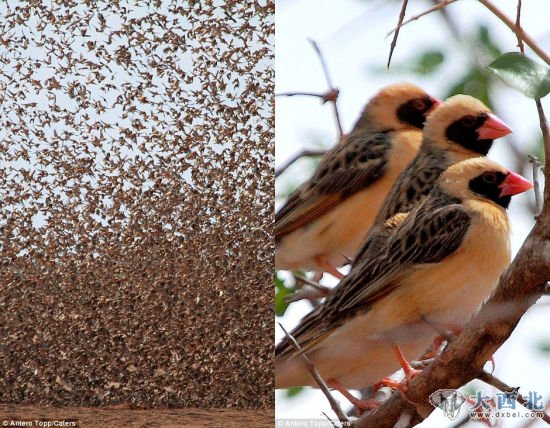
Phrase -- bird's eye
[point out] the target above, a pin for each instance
(490, 178)
(468, 121)
(419, 104)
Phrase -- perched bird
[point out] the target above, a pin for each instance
(439, 263)
(460, 128)
(324, 221)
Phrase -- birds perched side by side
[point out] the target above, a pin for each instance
(439, 263)
(461, 127)
(325, 220)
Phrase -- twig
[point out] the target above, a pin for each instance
(317, 291)
(517, 30)
(543, 124)
(518, 25)
(315, 374)
(323, 62)
(311, 294)
(536, 165)
(324, 97)
(333, 89)
(300, 278)
(420, 15)
(500, 385)
(399, 24)
(302, 154)
(546, 139)
(330, 420)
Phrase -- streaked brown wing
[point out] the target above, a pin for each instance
(377, 236)
(343, 171)
(414, 183)
(305, 213)
(431, 232)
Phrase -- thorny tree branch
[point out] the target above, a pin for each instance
(420, 15)
(322, 385)
(326, 97)
(312, 291)
(522, 36)
(330, 420)
(536, 188)
(330, 96)
(518, 31)
(331, 86)
(532, 159)
(519, 288)
(492, 380)
(501, 386)
(302, 154)
(546, 138)
(542, 117)
(399, 24)
(518, 25)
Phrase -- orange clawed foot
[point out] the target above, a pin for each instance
(360, 405)
(325, 266)
(409, 373)
(453, 331)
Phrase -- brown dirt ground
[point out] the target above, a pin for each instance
(105, 417)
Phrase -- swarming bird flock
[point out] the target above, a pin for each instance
(410, 198)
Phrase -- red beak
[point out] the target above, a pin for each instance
(514, 184)
(435, 103)
(493, 128)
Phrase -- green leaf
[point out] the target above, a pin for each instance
(522, 73)
(293, 391)
(429, 62)
(280, 292)
(484, 38)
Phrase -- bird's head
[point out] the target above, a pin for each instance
(464, 124)
(481, 178)
(396, 107)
